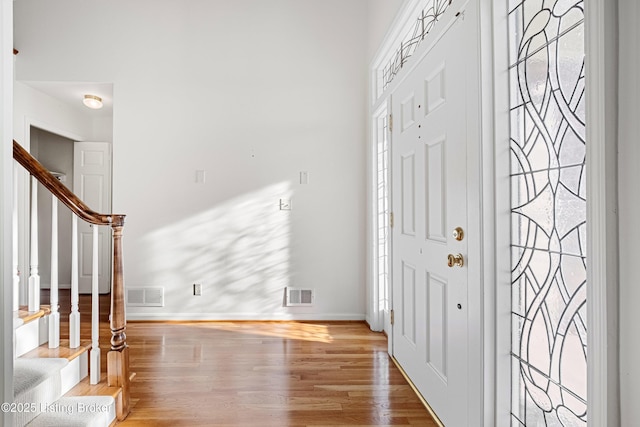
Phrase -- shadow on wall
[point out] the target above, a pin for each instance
(239, 251)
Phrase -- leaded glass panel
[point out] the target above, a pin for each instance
(423, 24)
(548, 205)
(382, 155)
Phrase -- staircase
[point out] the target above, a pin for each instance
(60, 378)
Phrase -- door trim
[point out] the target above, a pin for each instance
(601, 61)
(6, 209)
(629, 202)
(497, 210)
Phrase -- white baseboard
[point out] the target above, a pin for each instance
(47, 286)
(245, 316)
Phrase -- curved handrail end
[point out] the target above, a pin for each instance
(66, 196)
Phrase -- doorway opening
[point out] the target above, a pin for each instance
(85, 169)
(55, 152)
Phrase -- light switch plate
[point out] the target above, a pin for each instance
(304, 177)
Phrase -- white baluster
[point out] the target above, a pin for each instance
(34, 277)
(94, 366)
(54, 317)
(16, 272)
(74, 316)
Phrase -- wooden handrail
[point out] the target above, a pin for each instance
(66, 196)
(118, 355)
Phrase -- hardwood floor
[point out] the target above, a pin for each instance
(263, 374)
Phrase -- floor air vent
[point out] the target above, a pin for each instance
(298, 296)
(145, 297)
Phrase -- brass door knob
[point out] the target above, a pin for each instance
(455, 260)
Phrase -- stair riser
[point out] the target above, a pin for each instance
(31, 335)
(43, 331)
(27, 338)
(74, 372)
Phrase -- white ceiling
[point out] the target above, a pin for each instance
(72, 93)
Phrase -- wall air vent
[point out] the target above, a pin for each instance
(145, 297)
(299, 297)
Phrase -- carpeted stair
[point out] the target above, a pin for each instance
(38, 398)
(36, 384)
(85, 411)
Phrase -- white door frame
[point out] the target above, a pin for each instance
(629, 202)
(602, 272)
(6, 208)
(603, 381)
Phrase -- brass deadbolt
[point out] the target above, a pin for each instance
(458, 233)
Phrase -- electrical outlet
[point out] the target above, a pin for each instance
(285, 204)
(197, 289)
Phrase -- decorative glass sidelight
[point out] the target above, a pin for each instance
(548, 213)
(383, 233)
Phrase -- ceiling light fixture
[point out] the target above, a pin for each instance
(92, 101)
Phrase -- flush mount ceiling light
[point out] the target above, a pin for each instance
(92, 101)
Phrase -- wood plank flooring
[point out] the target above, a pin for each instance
(265, 374)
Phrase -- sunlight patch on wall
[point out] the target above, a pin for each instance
(239, 251)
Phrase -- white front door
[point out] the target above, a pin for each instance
(429, 174)
(92, 184)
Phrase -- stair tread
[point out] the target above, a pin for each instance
(63, 351)
(84, 388)
(29, 373)
(29, 316)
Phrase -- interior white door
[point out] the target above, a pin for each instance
(92, 183)
(429, 174)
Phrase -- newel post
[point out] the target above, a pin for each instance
(118, 355)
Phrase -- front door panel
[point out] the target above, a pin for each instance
(429, 155)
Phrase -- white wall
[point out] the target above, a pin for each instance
(381, 15)
(252, 92)
(32, 107)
